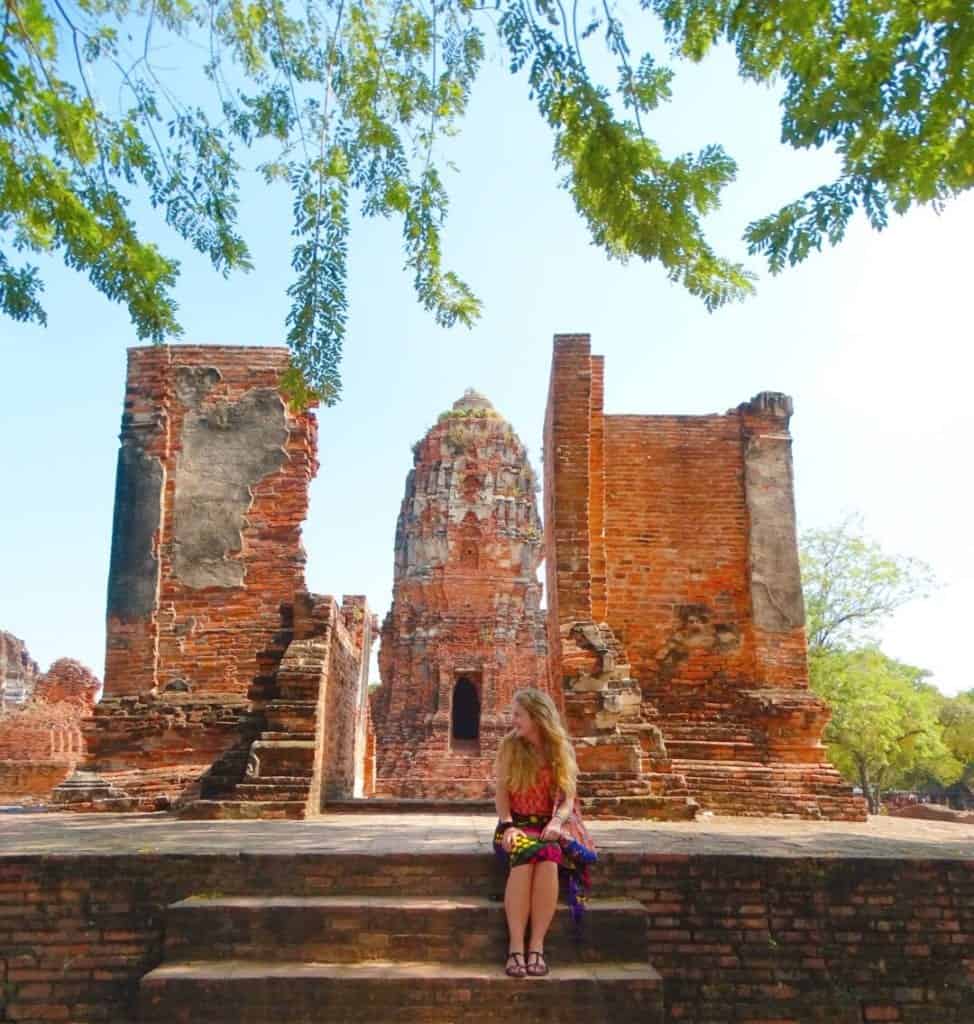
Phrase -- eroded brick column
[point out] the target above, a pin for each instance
(131, 654)
(567, 480)
(775, 577)
(210, 496)
(206, 564)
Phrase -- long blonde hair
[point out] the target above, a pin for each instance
(518, 761)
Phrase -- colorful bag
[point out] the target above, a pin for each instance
(575, 830)
(579, 851)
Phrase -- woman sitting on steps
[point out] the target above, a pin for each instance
(539, 829)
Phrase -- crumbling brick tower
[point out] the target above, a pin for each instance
(671, 546)
(224, 678)
(464, 630)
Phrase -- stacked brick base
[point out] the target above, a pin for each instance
(149, 752)
(747, 752)
(737, 940)
(396, 946)
(278, 753)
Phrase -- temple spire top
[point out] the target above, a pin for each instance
(471, 399)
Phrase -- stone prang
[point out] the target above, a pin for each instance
(465, 629)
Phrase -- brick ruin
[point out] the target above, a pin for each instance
(673, 638)
(41, 719)
(802, 938)
(465, 629)
(671, 548)
(221, 669)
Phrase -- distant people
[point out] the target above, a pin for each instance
(539, 829)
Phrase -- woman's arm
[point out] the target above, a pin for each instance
(559, 816)
(564, 809)
(502, 801)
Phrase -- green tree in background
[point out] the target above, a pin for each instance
(349, 101)
(957, 719)
(885, 730)
(889, 727)
(852, 586)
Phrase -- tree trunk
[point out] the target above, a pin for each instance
(880, 779)
(872, 799)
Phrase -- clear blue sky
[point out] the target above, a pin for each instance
(873, 341)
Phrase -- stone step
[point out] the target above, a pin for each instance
(775, 774)
(287, 715)
(349, 929)
(763, 786)
(634, 787)
(268, 791)
(437, 875)
(249, 810)
(777, 789)
(392, 805)
(419, 993)
(609, 776)
(456, 790)
(656, 808)
(712, 750)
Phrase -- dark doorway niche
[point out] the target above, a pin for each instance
(465, 717)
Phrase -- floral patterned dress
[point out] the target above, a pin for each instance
(573, 852)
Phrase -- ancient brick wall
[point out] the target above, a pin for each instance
(211, 492)
(679, 533)
(676, 542)
(738, 940)
(807, 941)
(340, 740)
(465, 629)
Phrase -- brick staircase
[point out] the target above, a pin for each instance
(275, 777)
(748, 789)
(625, 770)
(753, 754)
(418, 939)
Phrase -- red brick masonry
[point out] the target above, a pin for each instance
(41, 740)
(465, 629)
(207, 597)
(737, 939)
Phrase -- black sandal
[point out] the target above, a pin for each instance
(516, 969)
(537, 968)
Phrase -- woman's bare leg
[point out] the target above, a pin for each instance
(544, 898)
(517, 905)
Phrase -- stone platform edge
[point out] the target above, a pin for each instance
(841, 940)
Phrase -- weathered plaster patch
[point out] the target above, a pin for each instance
(776, 592)
(225, 450)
